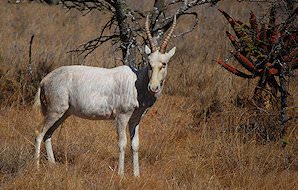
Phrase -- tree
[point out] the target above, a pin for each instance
(126, 25)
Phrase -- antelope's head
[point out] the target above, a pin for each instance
(158, 59)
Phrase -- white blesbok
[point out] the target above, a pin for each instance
(122, 93)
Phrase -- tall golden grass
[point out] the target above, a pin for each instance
(189, 139)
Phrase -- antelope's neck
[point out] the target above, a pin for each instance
(145, 98)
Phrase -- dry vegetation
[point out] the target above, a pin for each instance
(189, 139)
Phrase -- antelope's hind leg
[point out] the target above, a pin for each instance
(48, 136)
(51, 122)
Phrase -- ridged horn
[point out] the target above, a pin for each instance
(153, 48)
(164, 44)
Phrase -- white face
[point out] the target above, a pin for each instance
(158, 68)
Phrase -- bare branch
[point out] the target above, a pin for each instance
(126, 26)
(185, 6)
(91, 45)
(86, 6)
(194, 25)
(30, 57)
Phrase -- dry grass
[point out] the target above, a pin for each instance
(189, 139)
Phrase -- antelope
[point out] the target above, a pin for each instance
(122, 93)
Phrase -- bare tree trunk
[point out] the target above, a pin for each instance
(159, 7)
(127, 46)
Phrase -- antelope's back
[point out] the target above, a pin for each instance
(91, 91)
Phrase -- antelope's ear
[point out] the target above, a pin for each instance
(147, 50)
(171, 52)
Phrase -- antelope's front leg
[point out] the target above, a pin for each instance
(122, 120)
(134, 137)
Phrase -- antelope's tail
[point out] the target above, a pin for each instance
(37, 104)
(37, 108)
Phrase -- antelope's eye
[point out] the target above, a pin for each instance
(164, 65)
